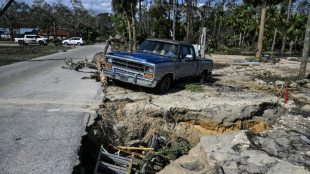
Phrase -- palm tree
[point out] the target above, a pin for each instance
(305, 52)
(128, 7)
(263, 3)
(287, 20)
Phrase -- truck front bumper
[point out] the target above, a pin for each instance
(129, 78)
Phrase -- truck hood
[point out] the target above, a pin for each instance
(143, 57)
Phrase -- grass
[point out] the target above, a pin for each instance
(6, 42)
(13, 54)
(194, 87)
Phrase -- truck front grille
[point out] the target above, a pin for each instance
(132, 66)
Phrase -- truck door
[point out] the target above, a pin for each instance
(30, 39)
(188, 66)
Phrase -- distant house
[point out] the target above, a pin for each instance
(4, 35)
(60, 34)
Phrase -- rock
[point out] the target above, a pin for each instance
(260, 82)
(193, 166)
(305, 108)
(270, 84)
(293, 84)
(302, 82)
(256, 154)
(279, 83)
(308, 153)
(307, 85)
(194, 162)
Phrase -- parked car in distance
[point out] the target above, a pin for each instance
(31, 39)
(157, 63)
(73, 40)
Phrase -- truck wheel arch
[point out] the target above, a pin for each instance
(164, 84)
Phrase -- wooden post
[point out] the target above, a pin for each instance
(203, 42)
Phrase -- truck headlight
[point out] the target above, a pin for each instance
(108, 59)
(149, 69)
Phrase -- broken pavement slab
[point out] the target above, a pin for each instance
(241, 151)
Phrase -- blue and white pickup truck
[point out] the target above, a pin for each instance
(156, 63)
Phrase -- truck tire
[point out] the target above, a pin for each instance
(41, 42)
(21, 43)
(204, 77)
(164, 85)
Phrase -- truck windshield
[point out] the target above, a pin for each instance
(160, 48)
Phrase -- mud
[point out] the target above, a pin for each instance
(193, 131)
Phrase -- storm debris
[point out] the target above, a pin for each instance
(78, 65)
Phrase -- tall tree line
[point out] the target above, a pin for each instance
(75, 19)
(257, 25)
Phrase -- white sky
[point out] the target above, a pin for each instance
(98, 6)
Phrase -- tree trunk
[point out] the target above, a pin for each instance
(240, 38)
(291, 46)
(129, 35)
(55, 31)
(140, 17)
(235, 44)
(274, 39)
(174, 20)
(261, 32)
(287, 19)
(11, 32)
(133, 18)
(305, 52)
(188, 9)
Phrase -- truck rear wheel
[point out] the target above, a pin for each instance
(41, 42)
(164, 85)
(204, 77)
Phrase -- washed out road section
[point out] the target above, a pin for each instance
(44, 110)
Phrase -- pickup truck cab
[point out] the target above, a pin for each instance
(31, 39)
(156, 63)
(73, 40)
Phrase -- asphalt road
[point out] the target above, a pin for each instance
(44, 110)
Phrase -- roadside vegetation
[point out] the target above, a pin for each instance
(13, 54)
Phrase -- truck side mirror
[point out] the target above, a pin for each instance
(189, 57)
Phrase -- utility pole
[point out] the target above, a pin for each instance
(203, 42)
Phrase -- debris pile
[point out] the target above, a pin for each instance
(78, 65)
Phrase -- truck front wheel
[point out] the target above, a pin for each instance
(21, 43)
(41, 42)
(164, 85)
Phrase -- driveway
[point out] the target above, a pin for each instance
(44, 110)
